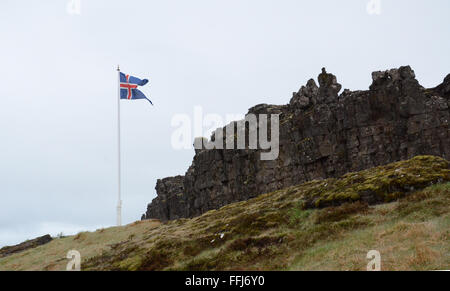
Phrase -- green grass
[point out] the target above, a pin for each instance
(402, 210)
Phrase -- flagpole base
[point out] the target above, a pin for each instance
(119, 214)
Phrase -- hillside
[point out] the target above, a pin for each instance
(401, 209)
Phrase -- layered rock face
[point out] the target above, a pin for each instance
(168, 203)
(322, 134)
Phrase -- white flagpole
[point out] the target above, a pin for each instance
(119, 202)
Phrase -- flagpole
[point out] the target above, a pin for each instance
(119, 201)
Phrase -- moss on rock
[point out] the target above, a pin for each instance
(380, 184)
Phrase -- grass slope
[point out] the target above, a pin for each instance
(319, 225)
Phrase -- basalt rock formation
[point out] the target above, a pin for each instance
(29, 244)
(323, 134)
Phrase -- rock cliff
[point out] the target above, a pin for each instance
(323, 134)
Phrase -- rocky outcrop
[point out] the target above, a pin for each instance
(169, 203)
(322, 134)
(29, 244)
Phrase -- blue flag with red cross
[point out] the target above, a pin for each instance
(129, 85)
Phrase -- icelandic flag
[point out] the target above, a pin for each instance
(129, 85)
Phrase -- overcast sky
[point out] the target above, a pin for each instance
(58, 117)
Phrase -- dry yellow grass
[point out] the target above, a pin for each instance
(403, 245)
(275, 231)
(52, 256)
